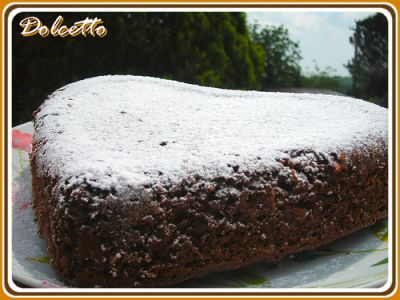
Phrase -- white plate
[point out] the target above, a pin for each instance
(360, 260)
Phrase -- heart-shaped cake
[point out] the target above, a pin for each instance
(145, 182)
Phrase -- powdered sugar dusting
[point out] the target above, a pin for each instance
(122, 132)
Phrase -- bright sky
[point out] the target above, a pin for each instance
(323, 36)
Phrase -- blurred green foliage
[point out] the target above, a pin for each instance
(208, 48)
(282, 63)
(213, 49)
(369, 66)
(326, 80)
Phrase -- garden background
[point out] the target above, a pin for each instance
(219, 49)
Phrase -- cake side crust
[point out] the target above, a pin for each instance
(188, 230)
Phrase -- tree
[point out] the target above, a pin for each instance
(282, 68)
(207, 48)
(321, 79)
(369, 66)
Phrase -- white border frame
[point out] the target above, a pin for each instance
(157, 291)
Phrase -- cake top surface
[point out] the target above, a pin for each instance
(119, 131)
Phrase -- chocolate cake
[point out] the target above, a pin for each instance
(144, 182)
